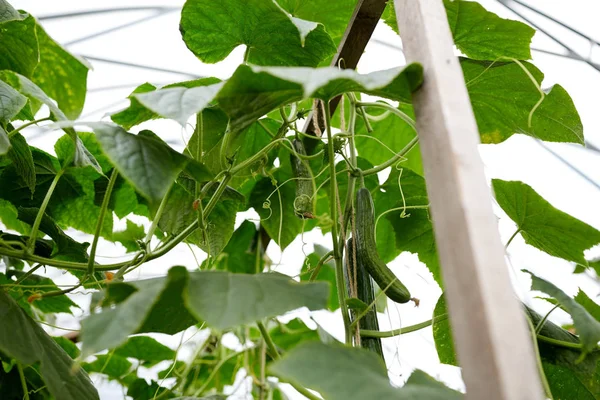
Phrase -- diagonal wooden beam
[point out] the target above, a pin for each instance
(360, 28)
(490, 332)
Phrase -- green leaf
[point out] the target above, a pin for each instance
(19, 44)
(333, 15)
(4, 142)
(327, 274)
(569, 377)
(275, 207)
(68, 346)
(11, 102)
(253, 91)
(9, 217)
(112, 365)
(130, 236)
(503, 96)
(22, 339)
(136, 113)
(141, 390)
(179, 103)
(543, 226)
(212, 30)
(60, 75)
(590, 305)
(145, 349)
(179, 213)
(36, 285)
(442, 333)
(360, 374)
(239, 256)
(587, 326)
(147, 163)
(68, 248)
(394, 133)
(204, 145)
(413, 231)
(152, 305)
(21, 156)
(482, 35)
(225, 300)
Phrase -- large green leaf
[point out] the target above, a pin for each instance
(152, 305)
(253, 91)
(204, 145)
(146, 349)
(136, 113)
(11, 102)
(478, 33)
(360, 374)
(178, 103)
(543, 226)
(149, 164)
(60, 75)
(482, 35)
(225, 300)
(503, 96)
(587, 326)
(18, 43)
(24, 340)
(590, 305)
(211, 30)
(9, 217)
(111, 365)
(333, 15)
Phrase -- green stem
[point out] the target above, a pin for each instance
(23, 382)
(268, 341)
(393, 110)
(317, 269)
(156, 219)
(394, 159)
(559, 343)
(27, 274)
(42, 211)
(541, 323)
(511, 238)
(402, 331)
(339, 267)
(539, 360)
(25, 125)
(100, 223)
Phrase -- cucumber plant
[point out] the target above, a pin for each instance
(359, 179)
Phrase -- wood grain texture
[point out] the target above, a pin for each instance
(490, 332)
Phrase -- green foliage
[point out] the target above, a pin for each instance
(543, 226)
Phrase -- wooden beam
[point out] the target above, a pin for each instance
(360, 28)
(490, 332)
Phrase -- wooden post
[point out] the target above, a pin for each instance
(492, 340)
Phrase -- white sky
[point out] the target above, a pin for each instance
(158, 43)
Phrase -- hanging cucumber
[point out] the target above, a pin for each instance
(367, 250)
(303, 202)
(366, 293)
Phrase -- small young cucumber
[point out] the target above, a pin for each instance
(303, 202)
(366, 250)
(366, 293)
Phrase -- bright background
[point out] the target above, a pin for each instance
(568, 176)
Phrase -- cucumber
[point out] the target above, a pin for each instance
(366, 293)
(303, 202)
(366, 252)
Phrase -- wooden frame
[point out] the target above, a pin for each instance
(492, 340)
